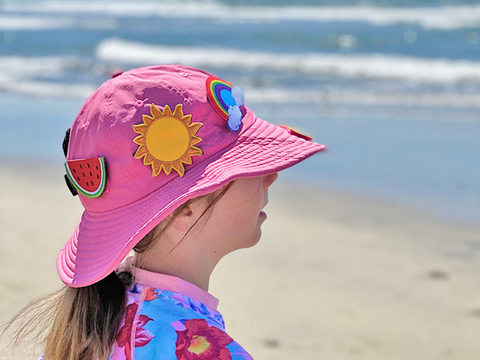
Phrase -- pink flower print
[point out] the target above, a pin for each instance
(142, 336)
(199, 341)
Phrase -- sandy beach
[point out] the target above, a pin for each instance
(334, 276)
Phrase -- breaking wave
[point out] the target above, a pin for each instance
(417, 70)
(33, 76)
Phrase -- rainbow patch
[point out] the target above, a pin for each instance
(219, 93)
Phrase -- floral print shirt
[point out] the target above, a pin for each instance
(168, 318)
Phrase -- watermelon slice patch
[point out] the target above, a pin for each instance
(87, 175)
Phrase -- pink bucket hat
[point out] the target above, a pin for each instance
(147, 141)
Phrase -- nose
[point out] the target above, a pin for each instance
(269, 180)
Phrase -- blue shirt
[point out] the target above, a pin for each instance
(168, 318)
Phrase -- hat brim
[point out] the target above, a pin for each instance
(103, 239)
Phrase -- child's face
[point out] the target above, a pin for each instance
(236, 218)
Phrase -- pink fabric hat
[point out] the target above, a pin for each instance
(147, 141)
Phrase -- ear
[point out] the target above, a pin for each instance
(185, 219)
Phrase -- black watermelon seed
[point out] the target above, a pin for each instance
(80, 166)
(83, 174)
(96, 167)
(90, 173)
(97, 177)
(78, 178)
(74, 171)
(88, 166)
(91, 182)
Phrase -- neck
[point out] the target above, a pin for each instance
(189, 267)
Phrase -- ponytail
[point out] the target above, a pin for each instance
(74, 323)
(87, 320)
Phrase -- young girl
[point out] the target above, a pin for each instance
(168, 162)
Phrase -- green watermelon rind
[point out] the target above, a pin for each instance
(89, 194)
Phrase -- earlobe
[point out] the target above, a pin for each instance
(184, 220)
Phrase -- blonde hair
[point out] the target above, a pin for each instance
(86, 320)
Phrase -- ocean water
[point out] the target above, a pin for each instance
(391, 87)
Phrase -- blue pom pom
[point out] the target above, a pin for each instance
(237, 94)
(234, 118)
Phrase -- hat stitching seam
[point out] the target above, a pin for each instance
(181, 93)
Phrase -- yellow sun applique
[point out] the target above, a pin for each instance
(167, 140)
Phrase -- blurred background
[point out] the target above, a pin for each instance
(392, 87)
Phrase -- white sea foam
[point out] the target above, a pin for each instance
(27, 67)
(32, 76)
(24, 75)
(49, 89)
(329, 97)
(443, 18)
(33, 23)
(415, 70)
(19, 23)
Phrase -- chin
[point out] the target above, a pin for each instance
(253, 240)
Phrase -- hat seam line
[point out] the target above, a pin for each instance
(183, 94)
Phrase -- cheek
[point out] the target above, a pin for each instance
(240, 228)
(248, 224)
(239, 222)
(237, 215)
(246, 199)
(248, 213)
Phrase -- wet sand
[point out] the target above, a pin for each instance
(334, 276)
